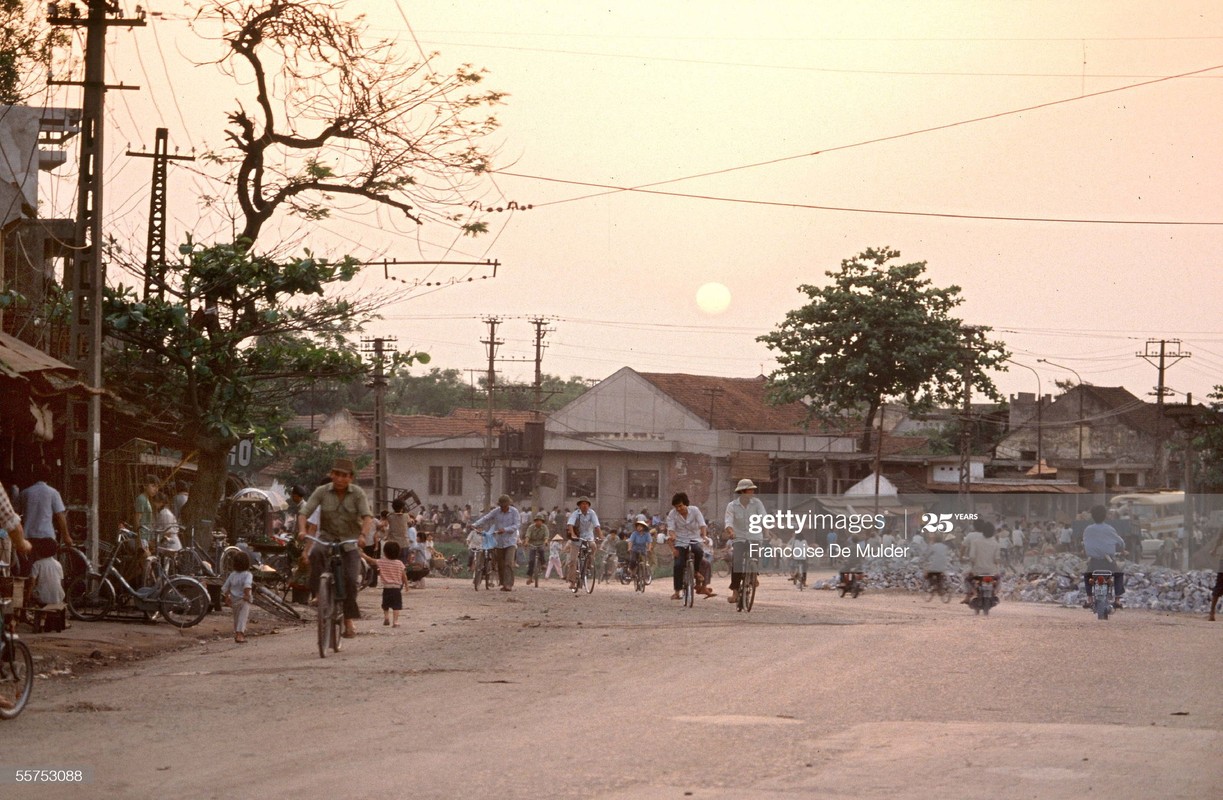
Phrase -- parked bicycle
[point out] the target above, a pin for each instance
(16, 663)
(332, 591)
(180, 600)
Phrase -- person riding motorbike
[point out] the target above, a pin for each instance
(1101, 544)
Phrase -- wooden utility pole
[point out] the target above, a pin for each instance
(87, 279)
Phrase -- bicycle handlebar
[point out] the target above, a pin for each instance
(324, 541)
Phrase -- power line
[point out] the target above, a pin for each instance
(647, 187)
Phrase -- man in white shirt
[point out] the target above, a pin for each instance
(741, 530)
(582, 526)
(686, 528)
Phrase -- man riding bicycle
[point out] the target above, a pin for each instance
(537, 535)
(344, 514)
(582, 525)
(1102, 544)
(739, 514)
(686, 528)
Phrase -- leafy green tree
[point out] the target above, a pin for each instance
(310, 461)
(235, 337)
(879, 332)
(26, 50)
(1207, 446)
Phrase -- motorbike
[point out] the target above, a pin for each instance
(985, 594)
(1102, 593)
(851, 583)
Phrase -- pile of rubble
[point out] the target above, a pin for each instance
(1059, 579)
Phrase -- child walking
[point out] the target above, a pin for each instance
(394, 579)
(237, 591)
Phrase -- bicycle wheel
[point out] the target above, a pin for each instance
(74, 563)
(270, 602)
(588, 576)
(689, 588)
(227, 560)
(16, 676)
(640, 575)
(90, 597)
(184, 602)
(337, 628)
(747, 592)
(326, 612)
(477, 570)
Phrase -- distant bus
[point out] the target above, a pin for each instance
(1155, 514)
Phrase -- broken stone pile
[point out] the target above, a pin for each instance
(1058, 579)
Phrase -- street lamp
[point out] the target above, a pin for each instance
(1080, 380)
(1040, 402)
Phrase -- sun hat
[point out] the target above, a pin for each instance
(540, 515)
(557, 538)
(585, 500)
(344, 465)
(641, 520)
(744, 485)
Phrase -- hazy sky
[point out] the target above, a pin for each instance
(632, 93)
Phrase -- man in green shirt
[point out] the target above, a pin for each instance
(344, 514)
(537, 535)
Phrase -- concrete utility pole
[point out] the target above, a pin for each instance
(87, 278)
(486, 466)
(1161, 459)
(537, 406)
(155, 253)
(379, 347)
(965, 487)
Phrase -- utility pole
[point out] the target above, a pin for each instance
(486, 466)
(965, 487)
(88, 272)
(537, 406)
(1161, 458)
(155, 253)
(379, 346)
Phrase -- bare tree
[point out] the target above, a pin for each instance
(337, 112)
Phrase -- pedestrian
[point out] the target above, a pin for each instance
(554, 558)
(396, 527)
(143, 517)
(237, 592)
(503, 521)
(1218, 590)
(43, 516)
(394, 580)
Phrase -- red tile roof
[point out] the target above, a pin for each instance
(736, 404)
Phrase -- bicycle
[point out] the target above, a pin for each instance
(331, 594)
(936, 583)
(799, 578)
(482, 570)
(536, 564)
(181, 601)
(747, 588)
(585, 569)
(16, 663)
(688, 586)
(642, 574)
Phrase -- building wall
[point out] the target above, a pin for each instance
(625, 403)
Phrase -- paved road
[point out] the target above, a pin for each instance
(615, 695)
